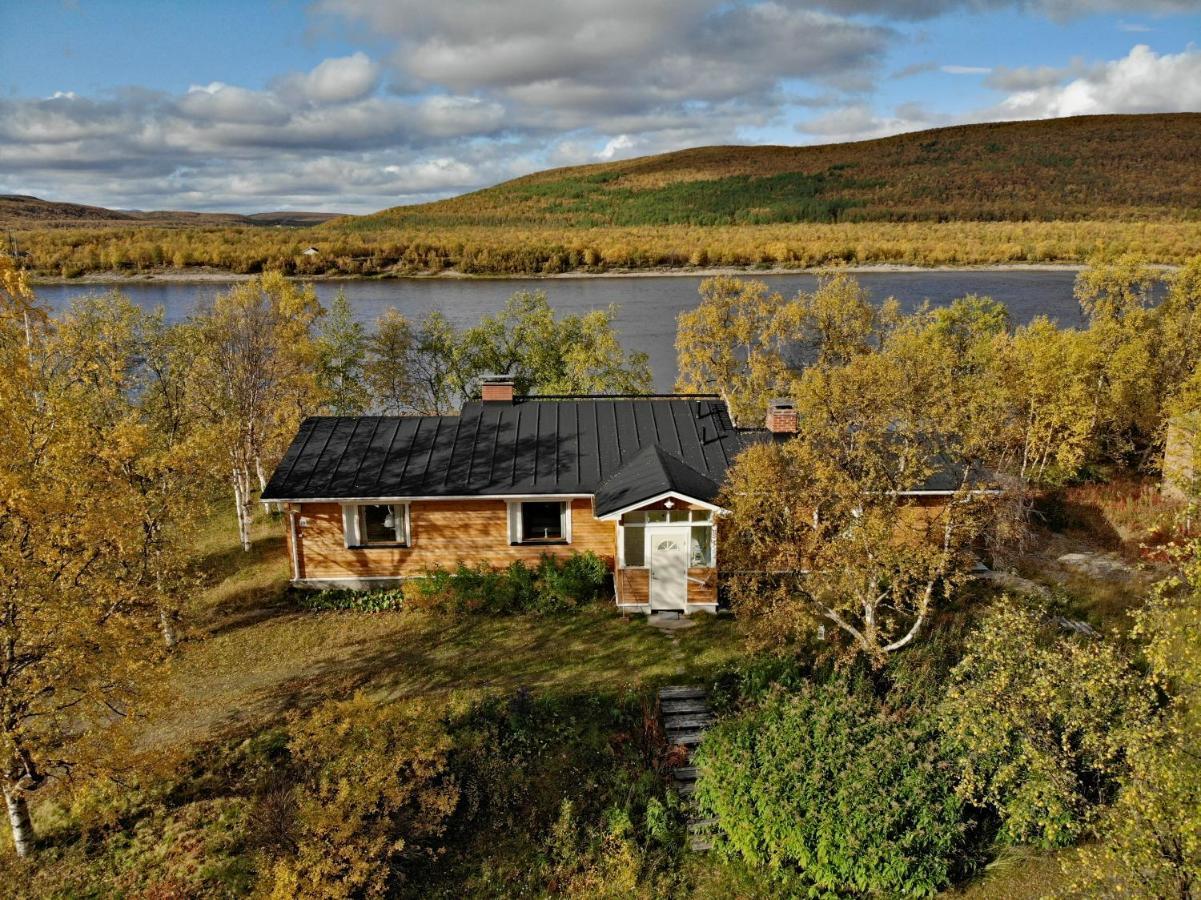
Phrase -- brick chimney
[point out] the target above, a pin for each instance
(496, 388)
(782, 417)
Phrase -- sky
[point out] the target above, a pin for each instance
(359, 105)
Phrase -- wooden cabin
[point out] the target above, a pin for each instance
(370, 501)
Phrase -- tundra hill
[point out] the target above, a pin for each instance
(21, 211)
(1087, 167)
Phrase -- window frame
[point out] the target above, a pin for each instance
(515, 523)
(354, 527)
(641, 521)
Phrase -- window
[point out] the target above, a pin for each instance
(376, 525)
(633, 545)
(539, 522)
(636, 525)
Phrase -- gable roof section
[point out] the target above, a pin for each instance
(651, 473)
(531, 446)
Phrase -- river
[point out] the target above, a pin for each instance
(648, 305)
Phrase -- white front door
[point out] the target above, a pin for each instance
(669, 568)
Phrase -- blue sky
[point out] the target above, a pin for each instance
(356, 105)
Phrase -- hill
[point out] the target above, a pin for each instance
(22, 211)
(1089, 167)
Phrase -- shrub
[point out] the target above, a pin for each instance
(359, 601)
(562, 584)
(1038, 721)
(554, 584)
(829, 784)
(375, 797)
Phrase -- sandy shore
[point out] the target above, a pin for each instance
(214, 276)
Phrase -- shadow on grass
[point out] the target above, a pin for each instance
(408, 655)
(230, 560)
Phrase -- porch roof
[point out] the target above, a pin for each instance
(650, 473)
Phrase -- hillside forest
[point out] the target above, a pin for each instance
(175, 720)
(1051, 191)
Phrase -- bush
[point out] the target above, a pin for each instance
(554, 584)
(1038, 721)
(359, 601)
(828, 784)
(374, 799)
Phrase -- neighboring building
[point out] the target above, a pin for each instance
(372, 500)
(1182, 457)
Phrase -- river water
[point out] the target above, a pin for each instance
(648, 305)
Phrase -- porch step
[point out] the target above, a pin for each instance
(688, 720)
(675, 707)
(681, 692)
(685, 788)
(688, 738)
(686, 717)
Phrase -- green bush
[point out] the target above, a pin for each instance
(359, 601)
(828, 784)
(552, 585)
(1039, 722)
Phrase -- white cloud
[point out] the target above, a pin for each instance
(1141, 81)
(615, 147)
(336, 80)
(965, 70)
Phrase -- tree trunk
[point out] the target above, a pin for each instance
(166, 624)
(19, 821)
(239, 502)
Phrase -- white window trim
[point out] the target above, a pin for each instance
(352, 521)
(649, 527)
(513, 521)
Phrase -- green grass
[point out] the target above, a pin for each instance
(253, 654)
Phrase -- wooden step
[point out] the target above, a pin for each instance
(699, 825)
(686, 788)
(691, 720)
(684, 773)
(701, 843)
(681, 692)
(685, 738)
(672, 707)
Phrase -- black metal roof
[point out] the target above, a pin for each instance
(529, 446)
(652, 472)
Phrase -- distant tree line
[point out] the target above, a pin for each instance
(371, 248)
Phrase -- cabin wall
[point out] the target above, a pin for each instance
(443, 533)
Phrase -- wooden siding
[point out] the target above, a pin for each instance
(443, 532)
(634, 586)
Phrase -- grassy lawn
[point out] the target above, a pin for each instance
(252, 655)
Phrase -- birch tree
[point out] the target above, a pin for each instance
(820, 531)
(70, 629)
(251, 362)
(124, 379)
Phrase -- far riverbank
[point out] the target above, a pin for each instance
(219, 276)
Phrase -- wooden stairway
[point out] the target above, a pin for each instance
(686, 717)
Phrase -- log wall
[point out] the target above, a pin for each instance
(443, 533)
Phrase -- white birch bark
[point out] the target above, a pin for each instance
(19, 821)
